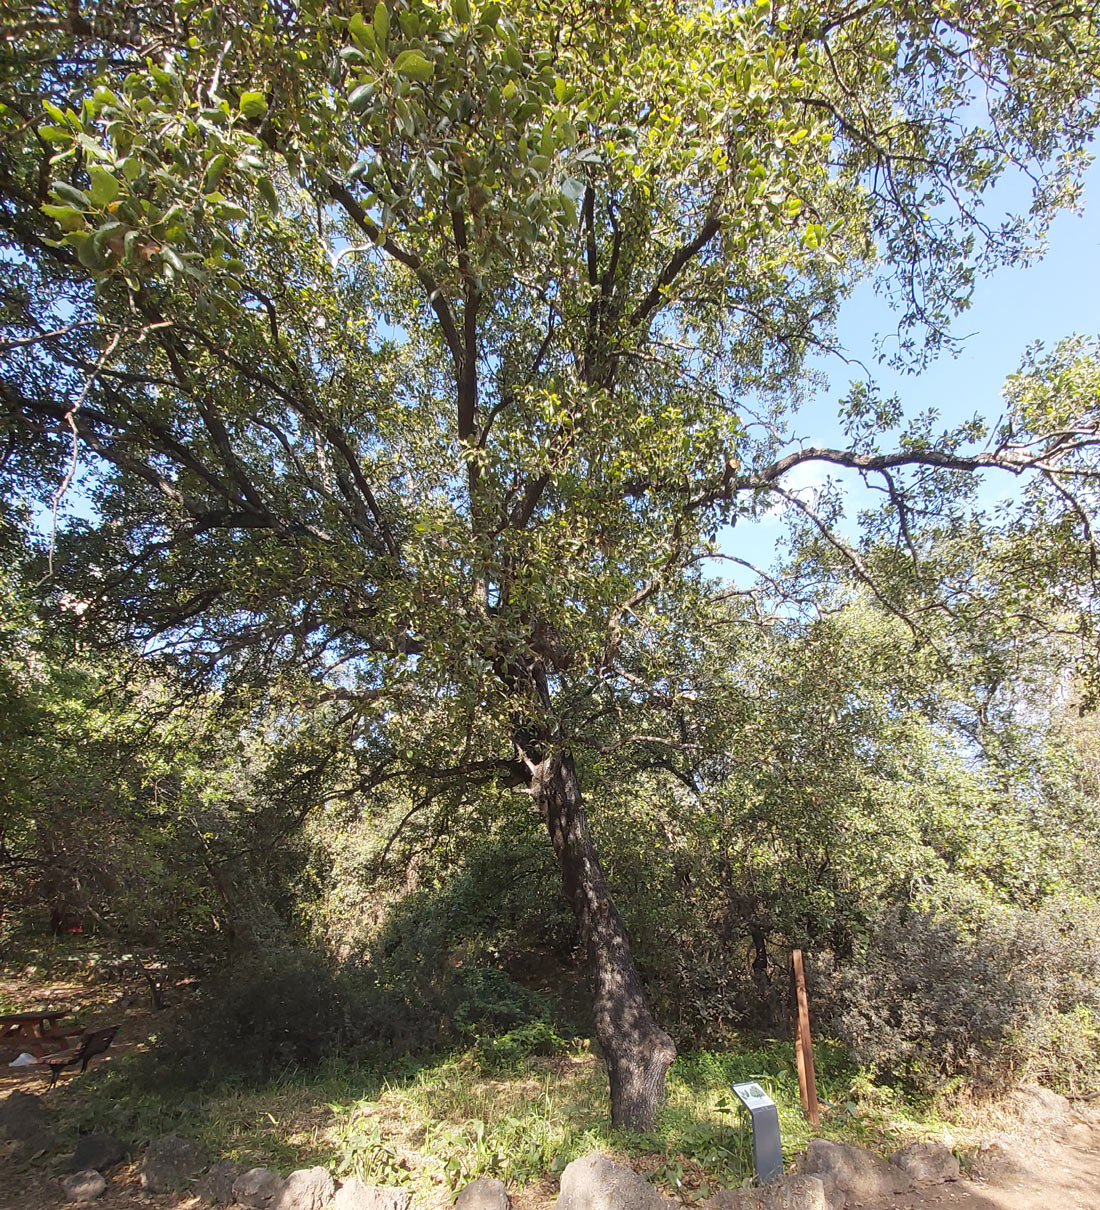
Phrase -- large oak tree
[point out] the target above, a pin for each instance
(422, 349)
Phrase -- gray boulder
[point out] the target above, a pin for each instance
(215, 1186)
(354, 1195)
(998, 1157)
(38, 1144)
(784, 1193)
(851, 1173)
(83, 1186)
(929, 1163)
(258, 1188)
(306, 1189)
(97, 1151)
(484, 1194)
(171, 1163)
(22, 1116)
(596, 1183)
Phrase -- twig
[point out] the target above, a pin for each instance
(70, 420)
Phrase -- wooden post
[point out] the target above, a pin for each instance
(803, 1044)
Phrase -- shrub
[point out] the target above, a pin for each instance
(292, 1007)
(277, 1009)
(491, 999)
(1060, 1050)
(1012, 994)
(507, 1022)
(504, 1052)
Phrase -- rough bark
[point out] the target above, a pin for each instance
(637, 1050)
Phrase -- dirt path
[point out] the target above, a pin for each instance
(29, 1190)
(1049, 1166)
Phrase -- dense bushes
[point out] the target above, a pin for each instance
(929, 998)
(292, 1007)
(927, 883)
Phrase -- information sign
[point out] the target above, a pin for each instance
(767, 1149)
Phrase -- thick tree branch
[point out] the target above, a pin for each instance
(671, 271)
(437, 300)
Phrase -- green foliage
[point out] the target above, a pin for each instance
(275, 1010)
(287, 1008)
(415, 358)
(1009, 994)
(130, 804)
(101, 816)
(490, 998)
(1059, 1050)
(367, 1156)
(507, 1051)
(438, 351)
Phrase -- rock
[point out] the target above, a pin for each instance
(22, 1116)
(995, 1158)
(37, 1144)
(795, 1193)
(784, 1193)
(931, 1163)
(215, 1187)
(733, 1199)
(1039, 1106)
(306, 1189)
(835, 1197)
(83, 1186)
(596, 1183)
(484, 1194)
(354, 1195)
(258, 1188)
(861, 1176)
(97, 1151)
(24, 1120)
(171, 1163)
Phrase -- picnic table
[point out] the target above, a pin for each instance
(33, 1027)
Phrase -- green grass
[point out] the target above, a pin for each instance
(434, 1125)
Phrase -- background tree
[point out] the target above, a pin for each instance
(421, 352)
(132, 808)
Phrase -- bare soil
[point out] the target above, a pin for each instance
(1049, 1166)
(32, 1182)
(29, 1188)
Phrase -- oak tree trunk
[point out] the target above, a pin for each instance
(637, 1050)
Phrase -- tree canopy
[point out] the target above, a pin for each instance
(416, 356)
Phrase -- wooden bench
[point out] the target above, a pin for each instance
(93, 1043)
(26, 1027)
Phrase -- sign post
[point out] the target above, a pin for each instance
(803, 1045)
(767, 1150)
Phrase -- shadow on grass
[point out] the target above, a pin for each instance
(435, 1122)
(421, 1061)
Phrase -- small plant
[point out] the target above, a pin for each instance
(367, 1156)
(491, 999)
(504, 1052)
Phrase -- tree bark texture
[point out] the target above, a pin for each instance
(637, 1050)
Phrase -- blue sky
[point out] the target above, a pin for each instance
(1013, 308)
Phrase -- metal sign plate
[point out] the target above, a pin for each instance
(752, 1096)
(767, 1148)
